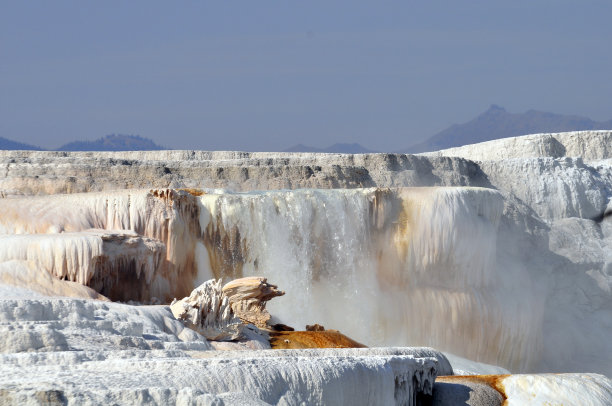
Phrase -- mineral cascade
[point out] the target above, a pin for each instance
(499, 254)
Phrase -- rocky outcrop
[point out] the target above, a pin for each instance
(514, 276)
(399, 257)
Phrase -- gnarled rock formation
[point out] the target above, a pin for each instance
(208, 311)
(248, 297)
(229, 313)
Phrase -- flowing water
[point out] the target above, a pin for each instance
(403, 266)
(414, 266)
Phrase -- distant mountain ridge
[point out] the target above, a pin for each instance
(113, 142)
(336, 148)
(496, 123)
(14, 145)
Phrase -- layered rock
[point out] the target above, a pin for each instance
(149, 231)
(36, 172)
(112, 263)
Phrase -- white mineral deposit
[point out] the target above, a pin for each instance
(124, 283)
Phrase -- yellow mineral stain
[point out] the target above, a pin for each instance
(395, 220)
(311, 339)
(494, 381)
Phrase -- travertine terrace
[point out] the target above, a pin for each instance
(498, 252)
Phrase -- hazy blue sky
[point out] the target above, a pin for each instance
(261, 75)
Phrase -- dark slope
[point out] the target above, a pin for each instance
(336, 148)
(14, 145)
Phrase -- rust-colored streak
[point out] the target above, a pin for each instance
(226, 250)
(312, 339)
(179, 233)
(493, 381)
(193, 192)
(393, 216)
